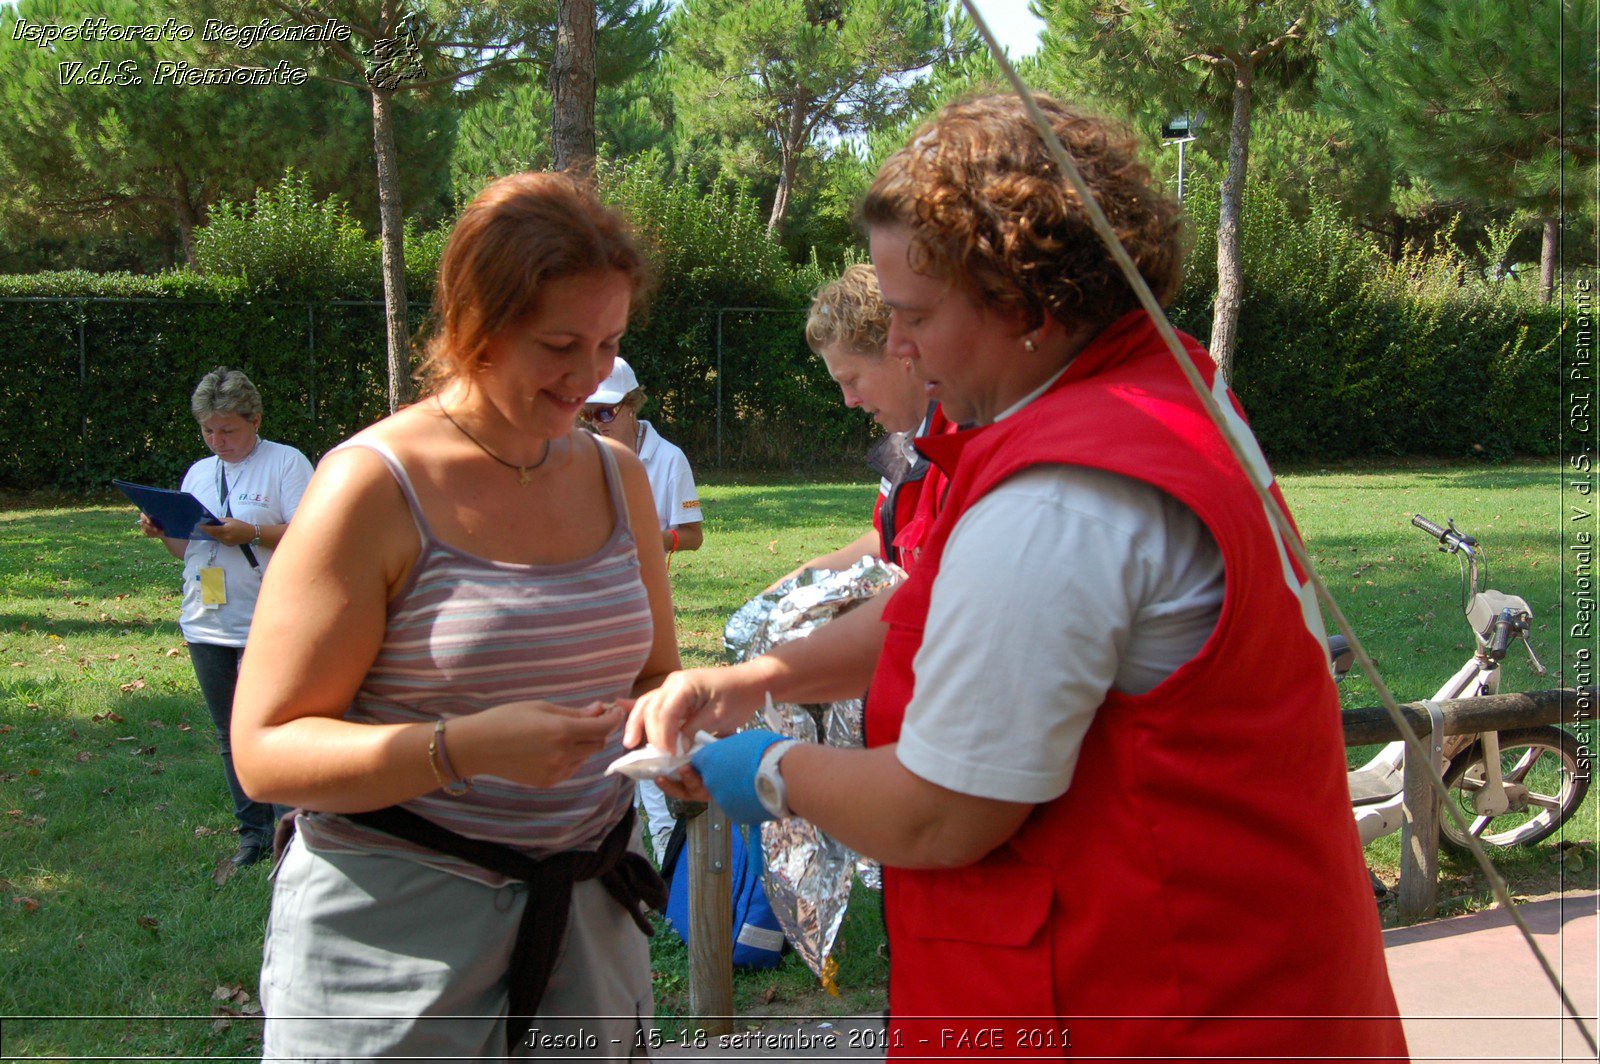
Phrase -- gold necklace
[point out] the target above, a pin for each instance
(523, 472)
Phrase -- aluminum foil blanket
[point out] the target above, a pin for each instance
(808, 875)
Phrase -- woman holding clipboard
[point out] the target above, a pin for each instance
(253, 486)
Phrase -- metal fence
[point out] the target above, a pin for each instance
(98, 386)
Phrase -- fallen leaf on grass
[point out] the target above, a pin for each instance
(769, 995)
(202, 831)
(174, 652)
(29, 905)
(4, 729)
(1571, 855)
(83, 757)
(8, 777)
(129, 688)
(150, 924)
(32, 705)
(225, 870)
(112, 715)
(33, 772)
(183, 727)
(147, 751)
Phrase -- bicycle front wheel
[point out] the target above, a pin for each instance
(1550, 781)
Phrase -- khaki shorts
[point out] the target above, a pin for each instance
(369, 955)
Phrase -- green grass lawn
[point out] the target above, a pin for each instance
(113, 812)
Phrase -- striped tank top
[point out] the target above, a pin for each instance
(466, 633)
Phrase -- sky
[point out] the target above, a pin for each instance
(1014, 26)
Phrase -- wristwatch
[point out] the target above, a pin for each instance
(769, 780)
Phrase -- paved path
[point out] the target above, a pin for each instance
(1468, 987)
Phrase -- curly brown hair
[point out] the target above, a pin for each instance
(988, 208)
(516, 234)
(849, 312)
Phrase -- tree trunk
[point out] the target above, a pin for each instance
(188, 219)
(394, 257)
(1397, 237)
(790, 165)
(1549, 251)
(572, 87)
(1230, 265)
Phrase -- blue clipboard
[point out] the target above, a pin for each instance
(179, 514)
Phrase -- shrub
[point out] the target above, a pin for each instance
(96, 372)
(1342, 354)
(723, 280)
(286, 242)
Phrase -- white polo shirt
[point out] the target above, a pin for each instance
(264, 489)
(671, 482)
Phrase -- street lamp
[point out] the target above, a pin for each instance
(1180, 130)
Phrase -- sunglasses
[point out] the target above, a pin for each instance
(602, 415)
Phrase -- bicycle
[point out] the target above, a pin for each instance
(1514, 787)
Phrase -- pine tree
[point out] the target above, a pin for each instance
(1491, 103)
(1188, 55)
(789, 72)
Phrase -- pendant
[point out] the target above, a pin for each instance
(524, 475)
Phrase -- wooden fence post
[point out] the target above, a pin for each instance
(1419, 843)
(711, 922)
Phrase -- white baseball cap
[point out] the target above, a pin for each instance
(615, 388)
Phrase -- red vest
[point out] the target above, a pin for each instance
(1204, 864)
(913, 504)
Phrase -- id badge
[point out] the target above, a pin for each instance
(213, 588)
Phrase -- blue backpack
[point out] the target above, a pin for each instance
(758, 940)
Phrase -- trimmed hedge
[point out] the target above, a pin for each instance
(97, 386)
(98, 379)
(1342, 355)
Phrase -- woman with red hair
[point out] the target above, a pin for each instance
(469, 587)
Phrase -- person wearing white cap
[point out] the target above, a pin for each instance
(613, 411)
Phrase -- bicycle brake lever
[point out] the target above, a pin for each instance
(1533, 659)
(1464, 539)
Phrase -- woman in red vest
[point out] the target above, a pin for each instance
(1105, 772)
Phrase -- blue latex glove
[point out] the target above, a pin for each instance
(728, 768)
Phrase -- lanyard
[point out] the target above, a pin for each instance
(227, 511)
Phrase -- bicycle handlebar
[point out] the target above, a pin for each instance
(1450, 539)
(1502, 638)
(1428, 526)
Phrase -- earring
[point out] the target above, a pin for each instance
(1027, 344)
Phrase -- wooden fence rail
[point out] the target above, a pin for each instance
(1419, 836)
(711, 958)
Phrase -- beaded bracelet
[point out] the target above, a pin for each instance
(449, 782)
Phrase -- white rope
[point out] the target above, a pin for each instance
(1278, 517)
